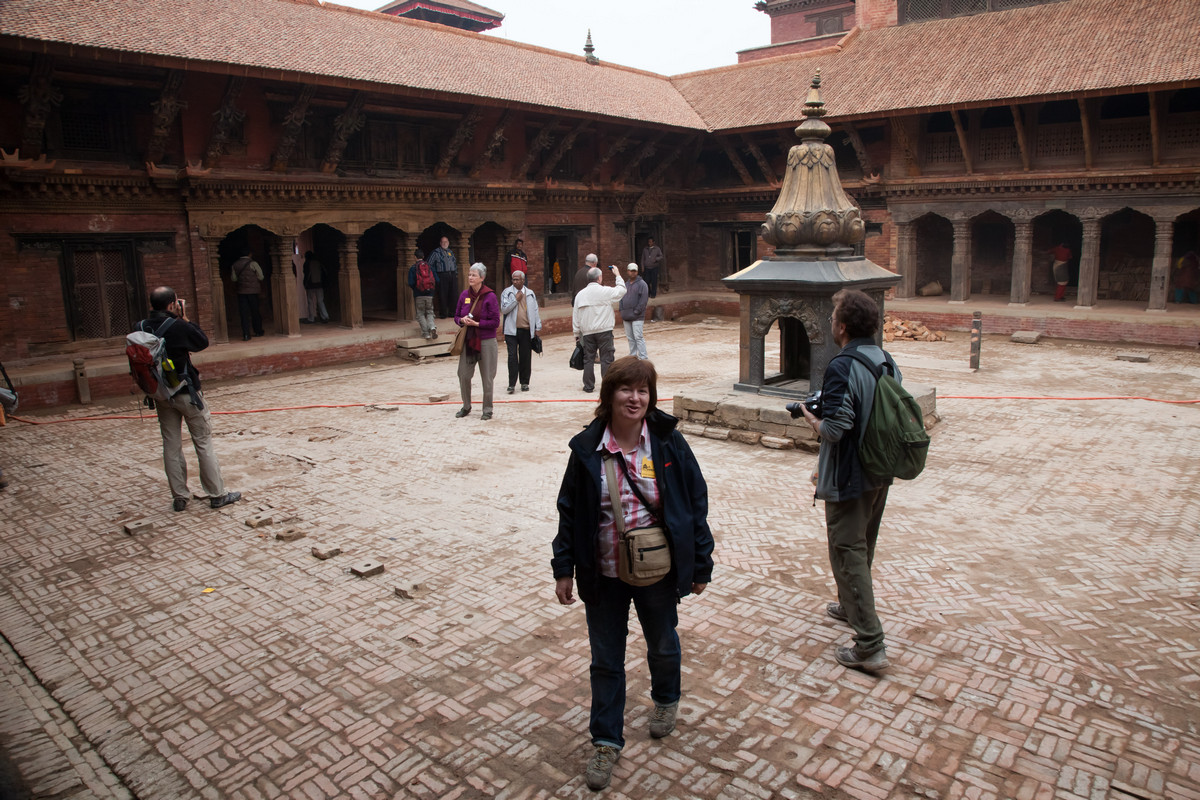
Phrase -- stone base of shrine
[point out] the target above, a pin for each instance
(725, 414)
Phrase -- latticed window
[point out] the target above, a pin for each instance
(1123, 137)
(942, 148)
(1183, 132)
(1059, 141)
(101, 293)
(921, 10)
(999, 144)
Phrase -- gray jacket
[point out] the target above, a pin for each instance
(633, 304)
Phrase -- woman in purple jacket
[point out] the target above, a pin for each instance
(479, 312)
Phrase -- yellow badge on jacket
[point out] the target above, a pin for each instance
(647, 468)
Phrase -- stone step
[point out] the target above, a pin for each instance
(416, 347)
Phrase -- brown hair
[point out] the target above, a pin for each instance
(858, 312)
(627, 371)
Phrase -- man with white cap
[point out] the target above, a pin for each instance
(633, 311)
(592, 321)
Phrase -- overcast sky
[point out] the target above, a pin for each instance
(663, 36)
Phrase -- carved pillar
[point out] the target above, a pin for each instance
(350, 283)
(1022, 263)
(1164, 232)
(906, 259)
(406, 307)
(960, 263)
(462, 252)
(39, 97)
(220, 326)
(1089, 264)
(284, 305)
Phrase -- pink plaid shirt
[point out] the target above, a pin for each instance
(641, 468)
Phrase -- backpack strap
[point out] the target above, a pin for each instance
(876, 369)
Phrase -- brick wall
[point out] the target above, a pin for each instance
(871, 14)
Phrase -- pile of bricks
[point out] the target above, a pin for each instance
(894, 328)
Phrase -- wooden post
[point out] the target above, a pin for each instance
(1089, 264)
(1164, 232)
(1022, 263)
(350, 283)
(960, 263)
(976, 338)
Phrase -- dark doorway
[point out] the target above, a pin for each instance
(1050, 230)
(488, 246)
(326, 245)
(257, 242)
(560, 263)
(1126, 256)
(935, 251)
(381, 252)
(646, 232)
(992, 237)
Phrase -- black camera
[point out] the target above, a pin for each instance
(812, 403)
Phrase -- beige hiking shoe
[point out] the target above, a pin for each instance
(599, 769)
(662, 721)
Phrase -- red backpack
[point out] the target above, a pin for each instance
(425, 281)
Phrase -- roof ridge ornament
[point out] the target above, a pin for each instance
(589, 52)
(813, 217)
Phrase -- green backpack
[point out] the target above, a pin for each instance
(894, 443)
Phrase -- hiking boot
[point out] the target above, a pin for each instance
(512, 389)
(524, 387)
(227, 499)
(179, 504)
(599, 769)
(849, 657)
(485, 416)
(662, 721)
(836, 611)
(462, 412)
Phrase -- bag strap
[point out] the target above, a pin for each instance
(633, 484)
(614, 497)
(876, 369)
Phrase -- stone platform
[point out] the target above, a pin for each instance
(723, 413)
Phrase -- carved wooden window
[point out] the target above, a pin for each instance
(101, 290)
(999, 144)
(1123, 137)
(1183, 132)
(375, 146)
(942, 148)
(1062, 141)
(89, 124)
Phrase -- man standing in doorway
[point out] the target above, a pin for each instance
(633, 312)
(1062, 273)
(314, 288)
(446, 266)
(854, 500)
(248, 276)
(517, 262)
(168, 320)
(592, 321)
(652, 262)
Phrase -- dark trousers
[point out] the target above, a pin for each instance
(853, 528)
(596, 346)
(447, 294)
(651, 277)
(251, 318)
(520, 356)
(608, 629)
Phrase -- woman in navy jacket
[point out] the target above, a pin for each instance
(672, 494)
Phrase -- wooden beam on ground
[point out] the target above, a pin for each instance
(464, 133)
(963, 144)
(1019, 124)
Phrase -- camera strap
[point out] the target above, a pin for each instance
(620, 457)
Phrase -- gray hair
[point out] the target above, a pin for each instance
(479, 269)
(594, 274)
(517, 272)
(592, 259)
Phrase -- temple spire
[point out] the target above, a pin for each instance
(589, 52)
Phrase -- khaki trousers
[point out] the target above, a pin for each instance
(486, 359)
(171, 415)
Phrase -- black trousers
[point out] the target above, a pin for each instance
(251, 318)
(447, 294)
(651, 277)
(520, 356)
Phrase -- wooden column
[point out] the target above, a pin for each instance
(406, 307)
(216, 281)
(283, 289)
(1164, 232)
(906, 259)
(960, 263)
(1089, 264)
(349, 283)
(1022, 263)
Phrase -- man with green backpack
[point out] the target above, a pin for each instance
(871, 431)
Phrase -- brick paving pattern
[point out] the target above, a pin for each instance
(1038, 587)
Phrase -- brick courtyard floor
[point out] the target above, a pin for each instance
(1039, 586)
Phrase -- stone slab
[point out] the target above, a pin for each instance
(138, 526)
(326, 551)
(1129, 355)
(260, 519)
(777, 443)
(366, 569)
(290, 535)
(1027, 337)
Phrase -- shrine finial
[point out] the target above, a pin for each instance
(589, 52)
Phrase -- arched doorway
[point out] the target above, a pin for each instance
(1185, 239)
(1050, 230)
(429, 240)
(382, 267)
(992, 239)
(489, 245)
(1126, 256)
(325, 243)
(259, 244)
(934, 251)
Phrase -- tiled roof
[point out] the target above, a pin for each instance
(462, 5)
(305, 37)
(1040, 51)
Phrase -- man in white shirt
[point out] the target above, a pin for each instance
(592, 321)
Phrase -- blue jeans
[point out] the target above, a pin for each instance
(608, 627)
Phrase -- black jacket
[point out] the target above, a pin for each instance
(181, 339)
(682, 491)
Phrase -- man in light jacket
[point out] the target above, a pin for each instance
(633, 312)
(521, 324)
(592, 321)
